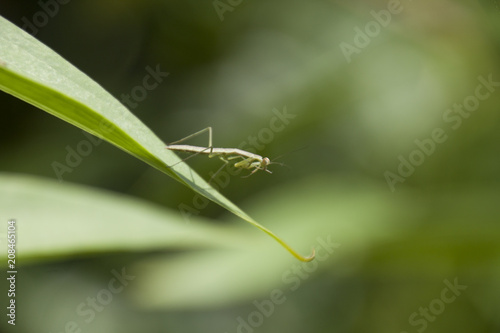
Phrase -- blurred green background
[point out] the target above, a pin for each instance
(365, 85)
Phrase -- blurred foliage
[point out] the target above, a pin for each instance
(354, 121)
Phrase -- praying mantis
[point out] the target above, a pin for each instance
(249, 160)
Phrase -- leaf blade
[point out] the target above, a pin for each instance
(33, 72)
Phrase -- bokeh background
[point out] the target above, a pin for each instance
(362, 92)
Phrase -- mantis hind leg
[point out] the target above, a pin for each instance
(209, 129)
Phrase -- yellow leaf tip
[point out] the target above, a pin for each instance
(310, 258)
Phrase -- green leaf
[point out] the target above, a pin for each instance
(36, 74)
(59, 220)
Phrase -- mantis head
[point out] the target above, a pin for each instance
(265, 162)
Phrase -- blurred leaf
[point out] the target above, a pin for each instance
(56, 220)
